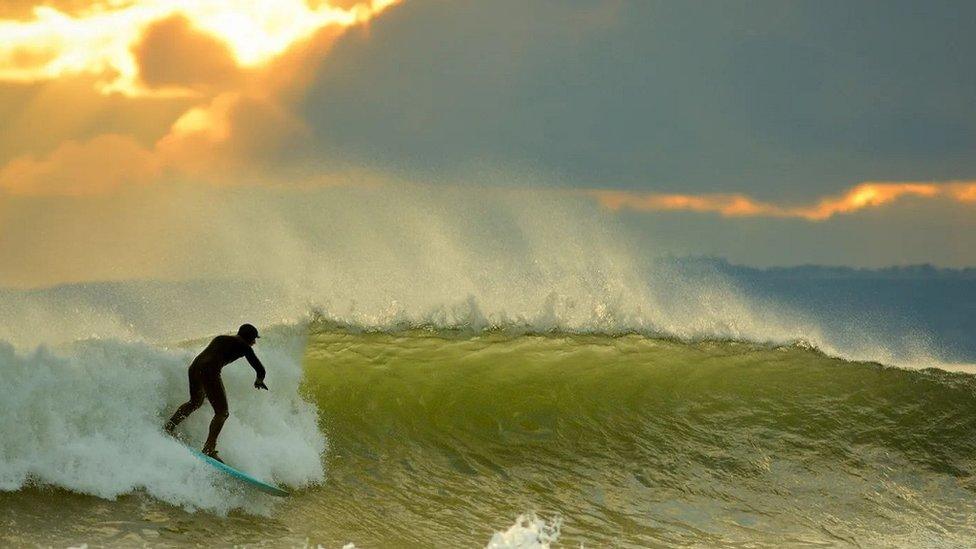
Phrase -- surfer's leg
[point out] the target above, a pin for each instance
(196, 400)
(214, 388)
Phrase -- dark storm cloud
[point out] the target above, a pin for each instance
(782, 100)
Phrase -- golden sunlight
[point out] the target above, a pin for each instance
(100, 41)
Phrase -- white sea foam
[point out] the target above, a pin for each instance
(528, 532)
(87, 417)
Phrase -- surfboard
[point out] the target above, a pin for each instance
(240, 475)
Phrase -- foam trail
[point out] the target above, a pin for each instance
(88, 418)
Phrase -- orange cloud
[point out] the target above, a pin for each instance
(100, 165)
(963, 192)
(23, 10)
(729, 205)
(100, 41)
(233, 130)
(870, 194)
(232, 137)
(865, 195)
(172, 53)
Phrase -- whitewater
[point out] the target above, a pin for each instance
(525, 377)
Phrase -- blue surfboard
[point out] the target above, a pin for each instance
(248, 479)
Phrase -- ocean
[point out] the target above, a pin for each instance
(710, 412)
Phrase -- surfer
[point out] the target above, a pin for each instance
(205, 381)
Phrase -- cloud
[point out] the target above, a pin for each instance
(729, 205)
(236, 129)
(171, 53)
(536, 86)
(235, 137)
(100, 165)
(870, 194)
(233, 133)
(23, 10)
(112, 41)
(963, 192)
(701, 97)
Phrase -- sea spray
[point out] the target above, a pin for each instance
(391, 257)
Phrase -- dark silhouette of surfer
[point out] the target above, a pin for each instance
(205, 381)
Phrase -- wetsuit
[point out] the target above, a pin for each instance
(205, 381)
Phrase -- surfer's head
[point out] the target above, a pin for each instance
(248, 333)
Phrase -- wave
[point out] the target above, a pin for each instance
(630, 439)
(428, 372)
(644, 441)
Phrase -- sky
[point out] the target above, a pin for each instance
(765, 132)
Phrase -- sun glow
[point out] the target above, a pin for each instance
(99, 41)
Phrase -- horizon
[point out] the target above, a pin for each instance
(913, 270)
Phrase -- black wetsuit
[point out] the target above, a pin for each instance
(205, 381)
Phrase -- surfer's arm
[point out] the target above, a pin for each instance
(252, 359)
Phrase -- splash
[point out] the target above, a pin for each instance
(86, 417)
(528, 532)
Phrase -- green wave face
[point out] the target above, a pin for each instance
(635, 441)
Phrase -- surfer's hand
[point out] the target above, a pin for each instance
(260, 385)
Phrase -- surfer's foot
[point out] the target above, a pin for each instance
(171, 431)
(212, 453)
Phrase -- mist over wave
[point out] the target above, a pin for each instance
(383, 257)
